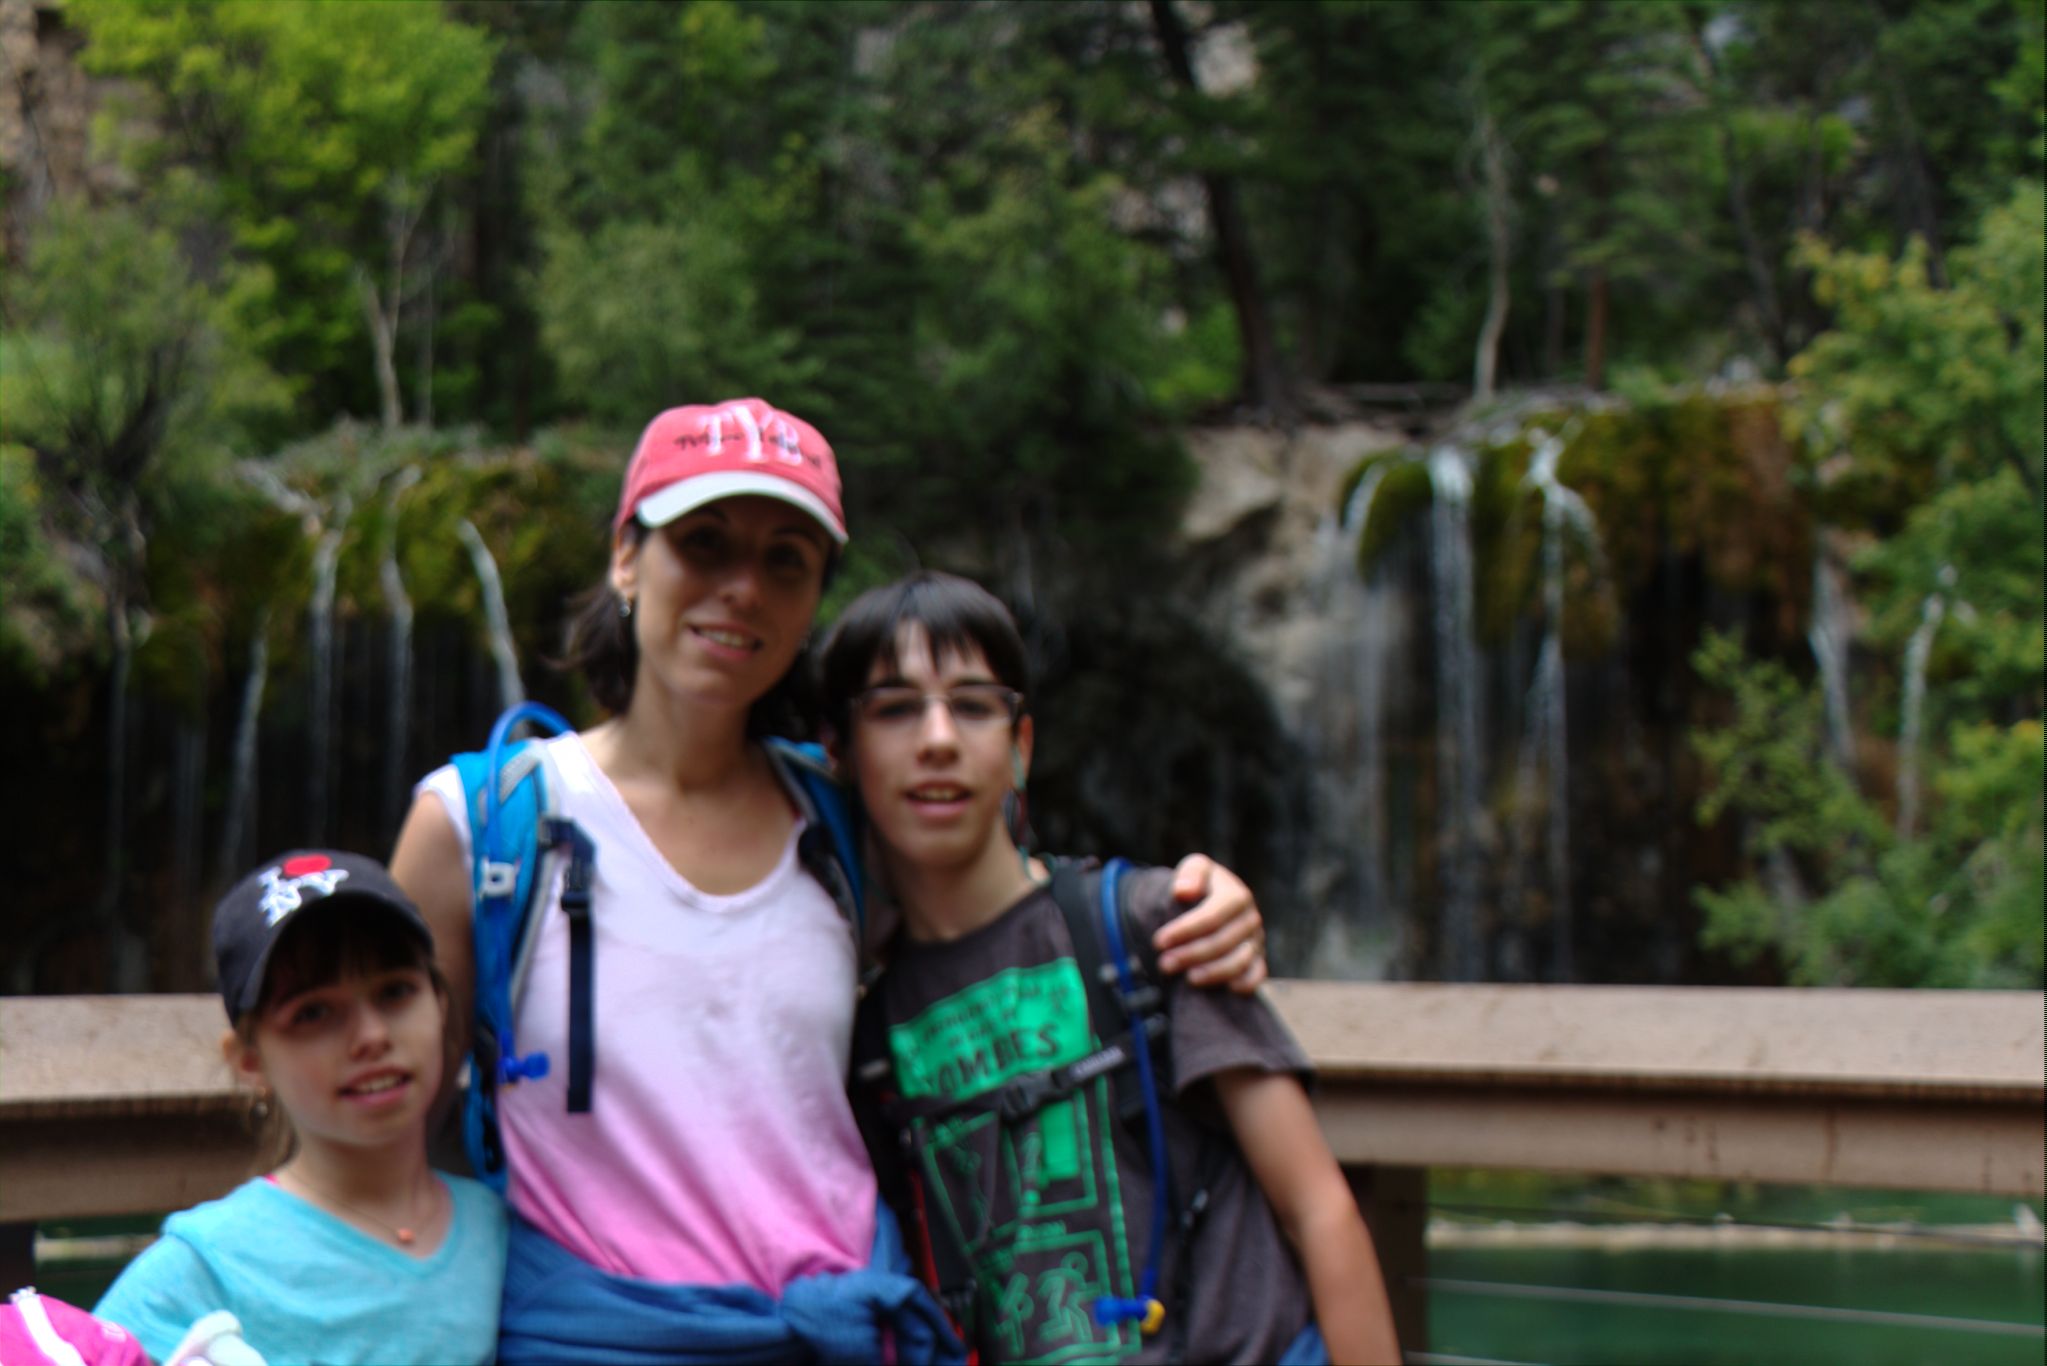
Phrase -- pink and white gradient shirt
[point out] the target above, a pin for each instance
(720, 1147)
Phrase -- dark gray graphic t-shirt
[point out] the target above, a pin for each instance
(1056, 1207)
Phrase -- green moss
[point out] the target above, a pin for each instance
(1683, 474)
(1404, 492)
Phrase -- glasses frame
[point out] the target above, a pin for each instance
(1011, 698)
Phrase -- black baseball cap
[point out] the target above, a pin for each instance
(252, 917)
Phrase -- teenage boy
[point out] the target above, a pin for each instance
(1034, 1182)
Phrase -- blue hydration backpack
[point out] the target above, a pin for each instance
(518, 837)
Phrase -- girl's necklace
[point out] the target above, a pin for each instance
(406, 1234)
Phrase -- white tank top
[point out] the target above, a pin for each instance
(719, 1147)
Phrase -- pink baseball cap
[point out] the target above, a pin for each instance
(691, 456)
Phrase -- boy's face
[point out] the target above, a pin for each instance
(933, 776)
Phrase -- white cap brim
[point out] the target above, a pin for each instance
(687, 495)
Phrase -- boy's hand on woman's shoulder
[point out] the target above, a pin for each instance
(1221, 940)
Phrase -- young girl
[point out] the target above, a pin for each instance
(351, 1250)
(1042, 1207)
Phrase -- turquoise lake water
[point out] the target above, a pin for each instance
(1942, 1289)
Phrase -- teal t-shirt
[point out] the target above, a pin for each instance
(309, 1288)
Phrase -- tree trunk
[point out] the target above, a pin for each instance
(1596, 294)
(383, 308)
(1499, 242)
(1598, 289)
(383, 325)
(1762, 278)
(424, 405)
(1264, 378)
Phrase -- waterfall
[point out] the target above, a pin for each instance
(320, 630)
(188, 796)
(1459, 765)
(127, 961)
(1369, 660)
(1341, 725)
(1918, 651)
(398, 682)
(1548, 729)
(1828, 636)
(241, 790)
(510, 691)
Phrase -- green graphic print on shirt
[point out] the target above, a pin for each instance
(1037, 1201)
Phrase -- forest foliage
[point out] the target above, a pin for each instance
(1000, 250)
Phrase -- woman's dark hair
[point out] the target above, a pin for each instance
(334, 944)
(599, 644)
(957, 615)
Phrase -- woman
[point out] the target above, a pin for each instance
(714, 1201)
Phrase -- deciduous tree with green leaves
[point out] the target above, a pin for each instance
(1923, 405)
(320, 136)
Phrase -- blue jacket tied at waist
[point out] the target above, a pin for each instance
(559, 1308)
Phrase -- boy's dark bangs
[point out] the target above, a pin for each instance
(958, 617)
(343, 939)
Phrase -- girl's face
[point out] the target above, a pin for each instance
(354, 1062)
(722, 598)
(932, 776)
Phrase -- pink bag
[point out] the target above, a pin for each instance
(38, 1331)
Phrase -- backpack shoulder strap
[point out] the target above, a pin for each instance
(830, 846)
(1077, 889)
(1121, 966)
(508, 793)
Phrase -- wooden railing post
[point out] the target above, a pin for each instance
(17, 1255)
(1395, 1203)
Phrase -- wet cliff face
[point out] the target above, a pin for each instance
(1478, 641)
(1429, 692)
(46, 111)
(306, 636)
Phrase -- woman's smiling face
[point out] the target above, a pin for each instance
(722, 598)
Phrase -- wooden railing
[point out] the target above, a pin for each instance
(114, 1105)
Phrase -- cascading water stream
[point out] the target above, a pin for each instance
(511, 692)
(1918, 652)
(1340, 725)
(1460, 771)
(188, 797)
(1547, 741)
(127, 965)
(1370, 664)
(320, 632)
(398, 683)
(241, 790)
(1828, 636)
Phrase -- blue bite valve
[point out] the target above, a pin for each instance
(1148, 1313)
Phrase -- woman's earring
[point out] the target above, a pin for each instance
(259, 1108)
(625, 608)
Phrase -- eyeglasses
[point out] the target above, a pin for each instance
(973, 706)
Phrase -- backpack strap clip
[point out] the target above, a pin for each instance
(498, 879)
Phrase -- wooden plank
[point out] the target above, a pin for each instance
(121, 1104)
(77, 1168)
(131, 1055)
(1893, 1145)
(1951, 1045)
